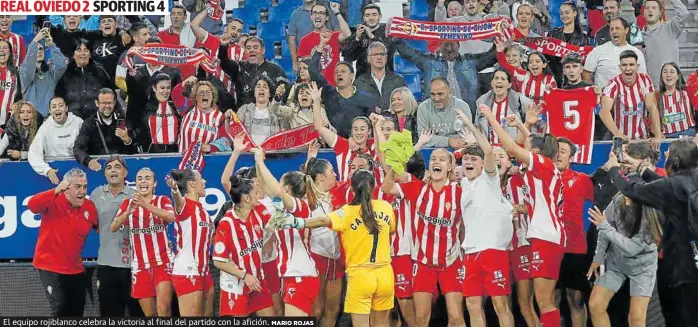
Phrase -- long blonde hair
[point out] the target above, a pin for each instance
(409, 103)
(33, 123)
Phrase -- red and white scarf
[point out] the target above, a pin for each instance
(193, 158)
(554, 47)
(165, 55)
(214, 10)
(445, 31)
(289, 139)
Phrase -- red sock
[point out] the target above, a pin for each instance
(550, 319)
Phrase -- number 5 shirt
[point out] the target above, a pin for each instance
(571, 115)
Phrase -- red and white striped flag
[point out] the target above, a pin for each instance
(193, 158)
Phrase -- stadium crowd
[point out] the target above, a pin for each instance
(493, 223)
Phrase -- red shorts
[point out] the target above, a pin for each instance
(402, 269)
(184, 285)
(245, 304)
(520, 260)
(301, 292)
(145, 282)
(331, 269)
(546, 258)
(271, 275)
(487, 273)
(449, 278)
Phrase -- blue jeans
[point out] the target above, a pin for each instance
(691, 132)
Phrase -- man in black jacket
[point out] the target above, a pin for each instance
(379, 81)
(372, 30)
(103, 133)
(245, 74)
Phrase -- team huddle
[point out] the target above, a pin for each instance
(405, 232)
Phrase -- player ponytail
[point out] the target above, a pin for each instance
(362, 183)
(182, 178)
(313, 168)
(546, 144)
(295, 180)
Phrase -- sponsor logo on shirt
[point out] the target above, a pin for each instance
(254, 247)
(149, 230)
(5, 85)
(435, 220)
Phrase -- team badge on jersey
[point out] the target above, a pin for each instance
(219, 247)
(447, 206)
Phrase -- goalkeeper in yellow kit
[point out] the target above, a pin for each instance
(365, 226)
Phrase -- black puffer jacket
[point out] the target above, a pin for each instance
(90, 143)
(18, 139)
(80, 86)
(577, 38)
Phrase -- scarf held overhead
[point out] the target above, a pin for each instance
(443, 31)
(554, 47)
(289, 139)
(165, 55)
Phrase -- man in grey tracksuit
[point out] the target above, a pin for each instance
(624, 257)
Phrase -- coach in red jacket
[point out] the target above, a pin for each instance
(66, 219)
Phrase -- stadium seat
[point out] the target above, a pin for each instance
(271, 31)
(269, 48)
(249, 15)
(285, 51)
(403, 66)
(414, 83)
(259, 4)
(419, 10)
(418, 45)
(279, 15)
(290, 4)
(286, 64)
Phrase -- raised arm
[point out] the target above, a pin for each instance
(238, 146)
(273, 186)
(653, 194)
(389, 185)
(679, 21)
(200, 33)
(325, 133)
(490, 164)
(121, 217)
(179, 200)
(521, 154)
(343, 26)
(314, 66)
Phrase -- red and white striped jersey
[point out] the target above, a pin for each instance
(148, 233)
(402, 241)
(240, 242)
(345, 155)
(437, 223)
(677, 112)
(629, 104)
(535, 87)
(518, 193)
(499, 110)
(294, 246)
(193, 228)
(8, 92)
(212, 43)
(164, 125)
(545, 195)
(236, 52)
(199, 126)
(19, 49)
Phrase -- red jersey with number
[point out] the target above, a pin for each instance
(19, 50)
(293, 246)
(193, 228)
(201, 126)
(62, 233)
(518, 194)
(148, 234)
(330, 53)
(577, 188)
(629, 111)
(437, 221)
(239, 241)
(8, 92)
(345, 155)
(677, 112)
(571, 115)
(545, 189)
